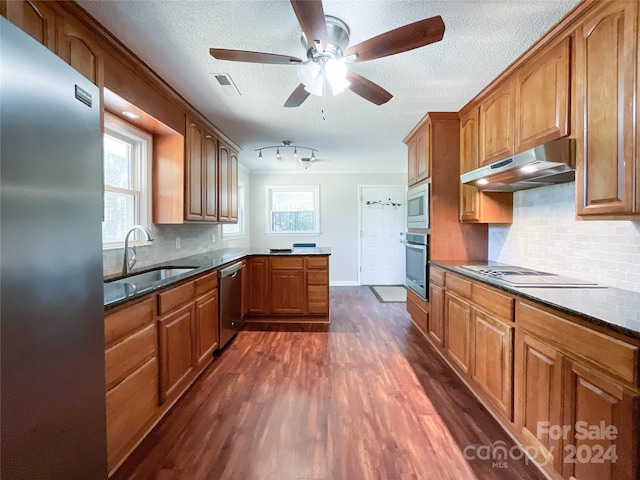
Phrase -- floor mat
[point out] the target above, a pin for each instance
(389, 293)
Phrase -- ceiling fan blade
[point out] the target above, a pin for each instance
(367, 89)
(298, 96)
(311, 18)
(253, 57)
(403, 39)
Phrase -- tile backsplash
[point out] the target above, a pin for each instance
(194, 238)
(545, 235)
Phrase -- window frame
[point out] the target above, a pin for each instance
(141, 175)
(241, 233)
(315, 189)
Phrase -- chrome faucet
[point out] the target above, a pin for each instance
(128, 263)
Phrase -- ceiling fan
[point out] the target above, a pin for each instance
(326, 41)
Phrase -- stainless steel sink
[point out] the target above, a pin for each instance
(152, 276)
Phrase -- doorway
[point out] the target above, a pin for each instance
(382, 228)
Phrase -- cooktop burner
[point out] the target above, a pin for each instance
(523, 277)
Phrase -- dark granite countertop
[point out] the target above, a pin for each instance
(118, 293)
(613, 308)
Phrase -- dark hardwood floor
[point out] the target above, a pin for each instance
(365, 397)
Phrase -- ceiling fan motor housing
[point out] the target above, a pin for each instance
(337, 40)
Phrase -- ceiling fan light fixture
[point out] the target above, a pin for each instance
(307, 72)
(317, 87)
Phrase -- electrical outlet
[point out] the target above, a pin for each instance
(178, 244)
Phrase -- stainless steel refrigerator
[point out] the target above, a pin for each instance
(52, 397)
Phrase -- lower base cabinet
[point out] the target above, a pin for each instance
(155, 348)
(568, 393)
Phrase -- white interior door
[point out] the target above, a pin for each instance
(382, 230)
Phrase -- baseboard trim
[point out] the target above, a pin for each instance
(344, 283)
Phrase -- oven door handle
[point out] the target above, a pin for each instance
(415, 246)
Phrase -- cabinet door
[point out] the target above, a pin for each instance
(496, 125)
(492, 360)
(542, 98)
(411, 162)
(207, 327)
(468, 162)
(435, 326)
(35, 18)
(258, 289)
(287, 292)
(194, 198)
(539, 398)
(77, 47)
(224, 159)
(457, 331)
(210, 193)
(606, 66)
(423, 153)
(177, 355)
(602, 442)
(233, 186)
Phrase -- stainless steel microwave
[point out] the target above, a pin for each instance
(418, 207)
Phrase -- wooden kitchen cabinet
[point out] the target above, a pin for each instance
(419, 154)
(496, 124)
(476, 206)
(36, 18)
(608, 88)
(207, 327)
(435, 327)
(577, 378)
(228, 185)
(201, 173)
(457, 331)
(281, 287)
(77, 46)
(542, 97)
(131, 376)
(177, 359)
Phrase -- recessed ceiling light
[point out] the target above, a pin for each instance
(131, 115)
(482, 181)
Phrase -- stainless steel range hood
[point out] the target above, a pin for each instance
(544, 165)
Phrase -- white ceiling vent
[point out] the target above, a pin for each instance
(229, 87)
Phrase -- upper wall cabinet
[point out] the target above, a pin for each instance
(227, 185)
(607, 71)
(542, 98)
(496, 124)
(78, 47)
(35, 18)
(476, 206)
(201, 156)
(419, 154)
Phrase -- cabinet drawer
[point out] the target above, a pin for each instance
(128, 355)
(608, 354)
(492, 301)
(175, 297)
(318, 262)
(206, 283)
(458, 285)
(121, 323)
(131, 407)
(436, 276)
(285, 263)
(317, 277)
(318, 299)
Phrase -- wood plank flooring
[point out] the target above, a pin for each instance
(363, 398)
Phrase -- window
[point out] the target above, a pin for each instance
(293, 210)
(127, 181)
(230, 230)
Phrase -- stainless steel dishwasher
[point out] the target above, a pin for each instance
(230, 302)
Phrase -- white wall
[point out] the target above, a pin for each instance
(546, 236)
(338, 216)
(194, 238)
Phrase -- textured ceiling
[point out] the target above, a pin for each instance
(482, 37)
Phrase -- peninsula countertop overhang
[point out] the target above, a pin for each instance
(118, 293)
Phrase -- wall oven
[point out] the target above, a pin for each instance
(418, 207)
(417, 258)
